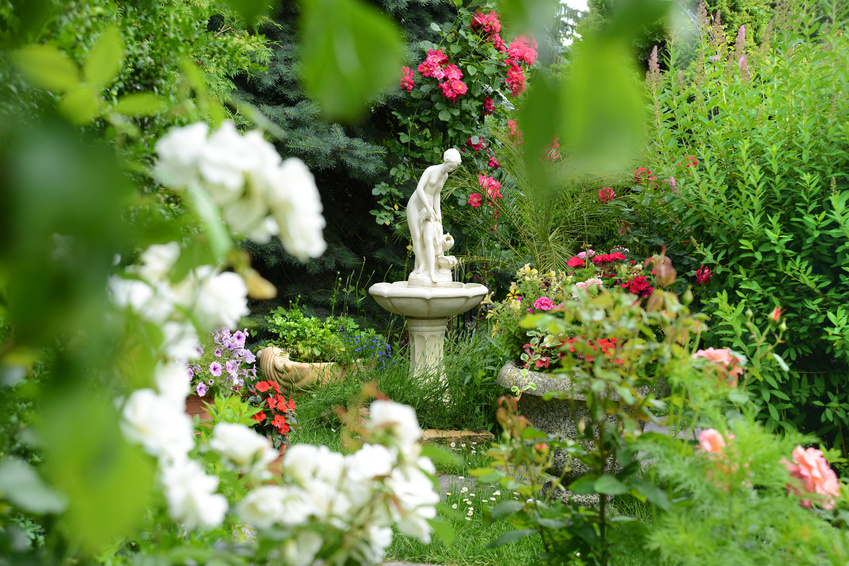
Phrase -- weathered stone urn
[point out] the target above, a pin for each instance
(274, 364)
(557, 416)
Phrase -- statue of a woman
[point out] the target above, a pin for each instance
(424, 216)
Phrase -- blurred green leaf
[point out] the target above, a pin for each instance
(107, 481)
(610, 485)
(144, 104)
(441, 455)
(48, 68)
(443, 530)
(210, 215)
(250, 10)
(602, 106)
(21, 485)
(105, 59)
(351, 52)
(506, 508)
(80, 106)
(528, 16)
(511, 536)
(538, 119)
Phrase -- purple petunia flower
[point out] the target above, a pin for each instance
(201, 389)
(215, 369)
(239, 337)
(232, 366)
(218, 352)
(248, 356)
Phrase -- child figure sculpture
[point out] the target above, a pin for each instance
(424, 216)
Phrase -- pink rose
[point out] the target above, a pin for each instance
(488, 106)
(724, 357)
(544, 304)
(453, 89)
(475, 199)
(711, 440)
(493, 162)
(432, 66)
(575, 262)
(523, 49)
(811, 467)
(606, 195)
(515, 78)
(407, 82)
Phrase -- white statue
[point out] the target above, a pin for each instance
(424, 216)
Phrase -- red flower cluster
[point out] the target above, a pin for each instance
(523, 49)
(276, 414)
(488, 106)
(690, 161)
(436, 66)
(576, 262)
(606, 345)
(703, 275)
(515, 78)
(606, 195)
(407, 82)
(493, 162)
(639, 286)
(643, 176)
(603, 259)
(514, 131)
(486, 24)
(476, 146)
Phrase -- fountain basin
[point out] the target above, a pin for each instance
(427, 302)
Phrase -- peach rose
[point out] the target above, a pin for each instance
(811, 467)
(712, 441)
(726, 358)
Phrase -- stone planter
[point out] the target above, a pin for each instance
(555, 416)
(274, 363)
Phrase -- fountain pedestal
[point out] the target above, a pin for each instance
(427, 310)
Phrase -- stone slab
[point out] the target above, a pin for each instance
(458, 436)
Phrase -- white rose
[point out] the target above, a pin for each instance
(173, 382)
(263, 506)
(225, 160)
(250, 452)
(157, 261)
(418, 499)
(400, 420)
(157, 424)
(216, 299)
(301, 550)
(304, 462)
(296, 206)
(179, 152)
(179, 340)
(370, 461)
(191, 495)
(153, 302)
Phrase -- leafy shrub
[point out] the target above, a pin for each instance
(767, 207)
(335, 339)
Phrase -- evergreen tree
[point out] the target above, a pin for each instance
(347, 160)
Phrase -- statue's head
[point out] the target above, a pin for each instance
(451, 158)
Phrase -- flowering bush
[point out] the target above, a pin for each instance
(224, 364)
(276, 415)
(533, 292)
(464, 84)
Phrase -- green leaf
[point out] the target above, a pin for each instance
(443, 530)
(441, 455)
(250, 10)
(583, 485)
(48, 68)
(80, 106)
(210, 216)
(107, 481)
(444, 115)
(492, 477)
(142, 104)
(506, 508)
(21, 485)
(353, 52)
(510, 536)
(472, 70)
(105, 59)
(651, 492)
(610, 485)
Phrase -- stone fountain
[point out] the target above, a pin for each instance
(429, 296)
